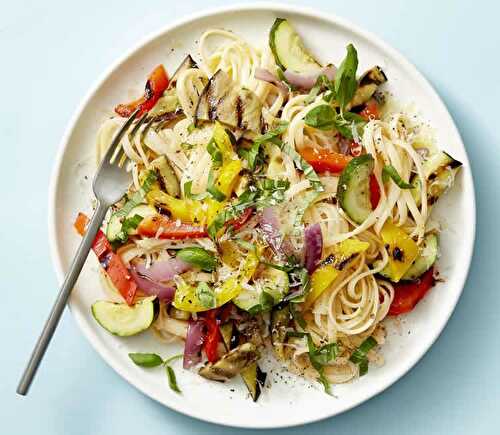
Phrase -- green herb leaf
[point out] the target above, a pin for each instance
(323, 355)
(216, 193)
(271, 136)
(215, 153)
(322, 117)
(173, 358)
(359, 356)
(146, 359)
(191, 127)
(198, 257)
(345, 78)
(347, 121)
(172, 381)
(390, 171)
(297, 316)
(301, 164)
(321, 82)
(206, 295)
(324, 381)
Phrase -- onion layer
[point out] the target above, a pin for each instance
(313, 246)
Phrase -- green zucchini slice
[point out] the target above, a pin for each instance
(426, 258)
(124, 320)
(289, 50)
(353, 191)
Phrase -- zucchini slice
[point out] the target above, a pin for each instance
(114, 227)
(124, 320)
(222, 100)
(437, 162)
(273, 282)
(427, 257)
(289, 50)
(353, 191)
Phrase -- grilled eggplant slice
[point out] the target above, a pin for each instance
(368, 85)
(167, 176)
(231, 364)
(224, 101)
(187, 63)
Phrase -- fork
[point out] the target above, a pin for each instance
(109, 185)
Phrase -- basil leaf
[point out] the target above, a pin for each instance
(323, 355)
(173, 358)
(191, 127)
(363, 367)
(390, 171)
(188, 185)
(321, 82)
(216, 193)
(172, 381)
(146, 359)
(206, 295)
(297, 316)
(198, 257)
(322, 117)
(359, 356)
(138, 197)
(345, 78)
(127, 225)
(346, 122)
(301, 164)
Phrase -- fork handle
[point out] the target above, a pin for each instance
(62, 299)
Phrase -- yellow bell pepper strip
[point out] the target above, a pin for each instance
(401, 248)
(186, 210)
(323, 276)
(223, 143)
(187, 298)
(228, 177)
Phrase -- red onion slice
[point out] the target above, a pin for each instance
(307, 81)
(163, 270)
(270, 227)
(267, 76)
(313, 246)
(164, 292)
(194, 341)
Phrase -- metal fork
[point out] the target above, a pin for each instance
(110, 184)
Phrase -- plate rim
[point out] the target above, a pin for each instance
(308, 12)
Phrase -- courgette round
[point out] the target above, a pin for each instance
(353, 191)
(288, 48)
(426, 258)
(124, 320)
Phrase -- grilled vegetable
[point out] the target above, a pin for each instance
(353, 191)
(427, 256)
(280, 320)
(224, 101)
(402, 251)
(122, 319)
(408, 294)
(167, 178)
(165, 228)
(268, 290)
(186, 64)
(439, 170)
(288, 48)
(368, 85)
(253, 377)
(231, 364)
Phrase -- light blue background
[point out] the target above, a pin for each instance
(51, 53)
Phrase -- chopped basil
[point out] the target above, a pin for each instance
(359, 356)
(205, 295)
(215, 153)
(321, 82)
(345, 78)
(146, 359)
(390, 171)
(198, 257)
(216, 193)
(301, 164)
(271, 136)
(298, 277)
(191, 128)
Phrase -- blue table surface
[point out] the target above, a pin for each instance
(52, 53)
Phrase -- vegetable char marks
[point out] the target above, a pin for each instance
(223, 100)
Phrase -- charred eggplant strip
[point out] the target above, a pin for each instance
(368, 85)
(231, 364)
(280, 320)
(222, 100)
(187, 63)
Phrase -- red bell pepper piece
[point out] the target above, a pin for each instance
(374, 192)
(241, 220)
(155, 86)
(170, 229)
(110, 261)
(370, 111)
(213, 337)
(325, 160)
(408, 294)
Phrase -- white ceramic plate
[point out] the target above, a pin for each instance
(295, 401)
